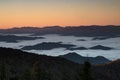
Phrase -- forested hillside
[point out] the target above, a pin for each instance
(19, 65)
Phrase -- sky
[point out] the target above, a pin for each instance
(40, 13)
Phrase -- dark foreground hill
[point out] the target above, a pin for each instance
(110, 71)
(19, 64)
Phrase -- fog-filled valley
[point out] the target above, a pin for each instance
(108, 47)
(60, 53)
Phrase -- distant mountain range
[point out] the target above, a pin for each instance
(80, 59)
(55, 45)
(17, 62)
(15, 39)
(100, 47)
(110, 30)
(48, 46)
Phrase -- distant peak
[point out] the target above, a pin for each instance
(73, 54)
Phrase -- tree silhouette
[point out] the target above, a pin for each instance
(87, 71)
(78, 74)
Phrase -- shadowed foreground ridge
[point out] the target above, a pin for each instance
(16, 64)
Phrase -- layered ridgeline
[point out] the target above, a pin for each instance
(15, 39)
(109, 31)
(19, 65)
(80, 59)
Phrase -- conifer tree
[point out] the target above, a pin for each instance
(87, 71)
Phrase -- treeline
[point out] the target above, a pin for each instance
(38, 73)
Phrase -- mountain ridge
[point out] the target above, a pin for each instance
(109, 30)
(80, 59)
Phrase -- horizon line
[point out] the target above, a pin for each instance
(58, 26)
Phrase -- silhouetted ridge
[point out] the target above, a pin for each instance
(101, 47)
(80, 59)
(102, 37)
(111, 31)
(13, 38)
(48, 46)
(78, 48)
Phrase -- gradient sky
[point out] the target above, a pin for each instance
(17, 13)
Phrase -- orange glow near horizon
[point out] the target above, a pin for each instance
(40, 13)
